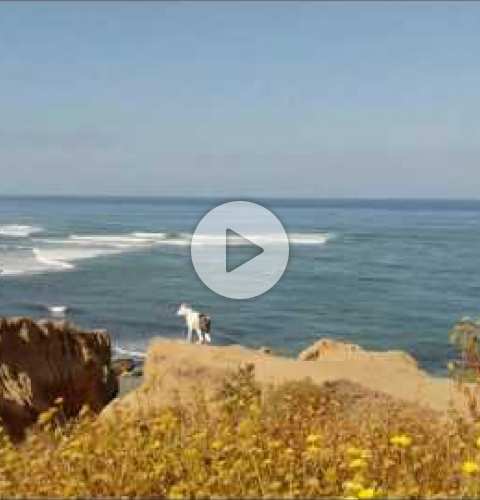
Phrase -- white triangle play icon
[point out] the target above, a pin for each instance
(239, 250)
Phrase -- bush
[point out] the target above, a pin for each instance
(465, 336)
(299, 440)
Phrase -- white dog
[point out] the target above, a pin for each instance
(195, 321)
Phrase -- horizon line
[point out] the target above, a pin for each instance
(245, 197)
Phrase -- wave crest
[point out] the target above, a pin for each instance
(59, 254)
(18, 230)
(130, 353)
(51, 261)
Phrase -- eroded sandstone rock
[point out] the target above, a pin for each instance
(332, 350)
(45, 360)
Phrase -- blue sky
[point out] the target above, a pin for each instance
(226, 99)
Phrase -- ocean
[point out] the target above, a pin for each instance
(383, 274)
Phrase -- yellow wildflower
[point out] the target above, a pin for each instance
(352, 486)
(478, 442)
(217, 445)
(313, 438)
(46, 416)
(366, 493)
(357, 463)
(470, 467)
(354, 452)
(176, 492)
(313, 451)
(401, 440)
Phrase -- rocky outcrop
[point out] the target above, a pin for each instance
(123, 366)
(332, 350)
(45, 360)
(327, 348)
(178, 371)
(265, 350)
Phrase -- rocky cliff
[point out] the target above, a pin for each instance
(42, 361)
(175, 370)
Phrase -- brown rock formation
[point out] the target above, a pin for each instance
(45, 360)
(123, 366)
(176, 370)
(332, 350)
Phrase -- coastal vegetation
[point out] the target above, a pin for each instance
(296, 440)
(252, 439)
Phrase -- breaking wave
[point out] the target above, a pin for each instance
(294, 239)
(51, 261)
(57, 311)
(143, 239)
(18, 231)
(120, 351)
(59, 254)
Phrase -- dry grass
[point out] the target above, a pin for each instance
(296, 441)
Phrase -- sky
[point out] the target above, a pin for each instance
(296, 99)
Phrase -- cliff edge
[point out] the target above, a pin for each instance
(41, 361)
(178, 371)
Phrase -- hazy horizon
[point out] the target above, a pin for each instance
(234, 196)
(322, 100)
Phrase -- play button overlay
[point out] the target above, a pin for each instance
(240, 250)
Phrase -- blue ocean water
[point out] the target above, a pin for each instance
(383, 274)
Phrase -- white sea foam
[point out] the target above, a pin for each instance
(59, 254)
(119, 241)
(127, 352)
(150, 236)
(58, 311)
(143, 239)
(131, 240)
(270, 239)
(18, 231)
(18, 260)
(309, 238)
(51, 261)
(11, 272)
